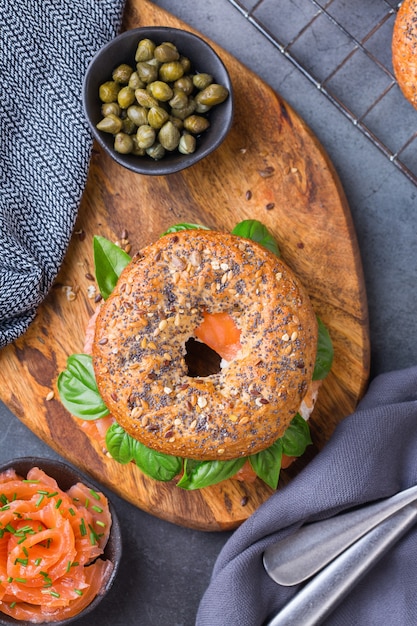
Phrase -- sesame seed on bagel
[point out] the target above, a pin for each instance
(139, 350)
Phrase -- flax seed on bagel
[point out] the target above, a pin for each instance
(140, 345)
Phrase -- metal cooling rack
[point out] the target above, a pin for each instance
(344, 48)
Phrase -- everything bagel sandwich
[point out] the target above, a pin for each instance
(207, 357)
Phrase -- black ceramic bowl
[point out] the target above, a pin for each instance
(203, 59)
(67, 476)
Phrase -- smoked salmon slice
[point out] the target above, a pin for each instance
(51, 542)
(220, 333)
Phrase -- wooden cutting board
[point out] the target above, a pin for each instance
(270, 168)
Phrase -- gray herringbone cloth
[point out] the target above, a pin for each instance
(45, 144)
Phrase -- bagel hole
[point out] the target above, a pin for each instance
(200, 359)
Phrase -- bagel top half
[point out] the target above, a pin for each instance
(158, 302)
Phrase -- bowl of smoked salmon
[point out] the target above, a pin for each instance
(60, 543)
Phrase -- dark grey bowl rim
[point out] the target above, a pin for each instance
(171, 163)
(66, 476)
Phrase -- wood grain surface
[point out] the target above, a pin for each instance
(271, 168)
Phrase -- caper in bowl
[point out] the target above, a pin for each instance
(158, 99)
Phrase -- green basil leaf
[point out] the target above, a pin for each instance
(198, 474)
(78, 388)
(109, 261)
(325, 353)
(267, 464)
(176, 228)
(296, 438)
(255, 230)
(119, 444)
(155, 464)
(124, 448)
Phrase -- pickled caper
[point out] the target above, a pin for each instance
(201, 108)
(136, 150)
(126, 97)
(165, 52)
(108, 91)
(171, 71)
(185, 111)
(135, 82)
(145, 50)
(212, 95)
(145, 136)
(160, 90)
(145, 99)
(138, 114)
(122, 73)
(196, 124)
(177, 122)
(110, 108)
(156, 151)
(201, 81)
(123, 143)
(185, 84)
(147, 72)
(187, 144)
(179, 99)
(128, 126)
(169, 136)
(186, 64)
(157, 116)
(110, 124)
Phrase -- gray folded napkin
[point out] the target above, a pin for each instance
(45, 144)
(371, 455)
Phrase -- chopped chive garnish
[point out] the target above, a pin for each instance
(12, 604)
(39, 500)
(21, 580)
(38, 561)
(47, 580)
(6, 507)
(96, 508)
(10, 528)
(74, 564)
(52, 494)
(58, 504)
(95, 494)
(21, 561)
(87, 502)
(55, 594)
(100, 523)
(72, 512)
(3, 498)
(43, 492)
(68, 566)
(83, 529)
(26, 480)
(1, 533)
(93, 536)
(25, 551)
(78, 592)
(9, 579)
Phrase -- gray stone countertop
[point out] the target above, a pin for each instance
(166, 568)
